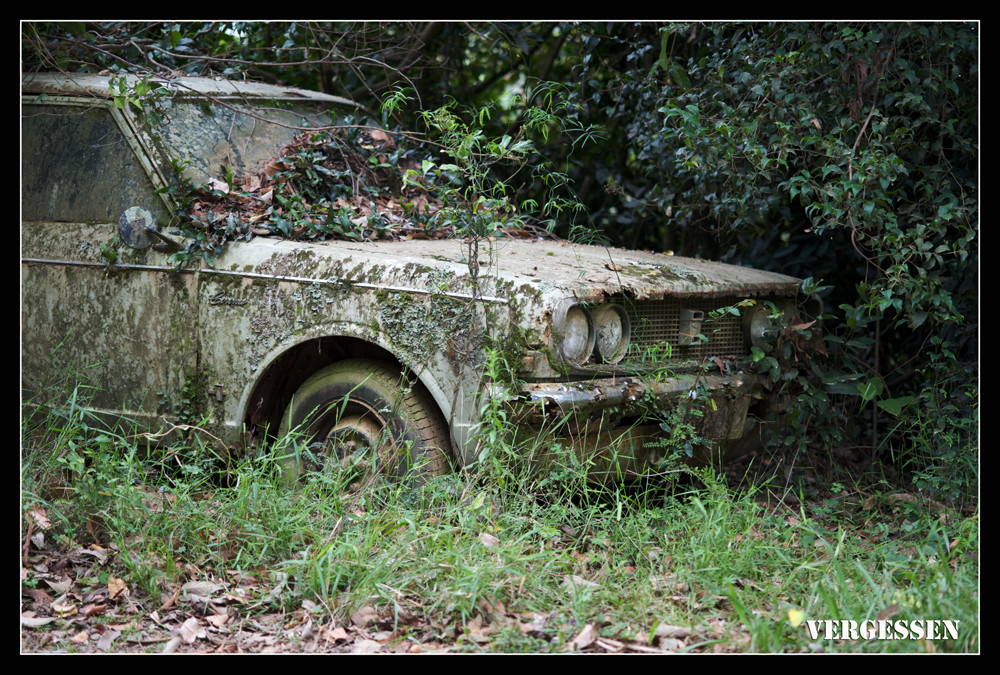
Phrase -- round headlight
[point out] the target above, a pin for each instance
(613, 332)
(573, 328)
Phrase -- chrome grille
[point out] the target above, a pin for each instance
(656, 323)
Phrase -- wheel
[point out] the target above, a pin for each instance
(362, 414)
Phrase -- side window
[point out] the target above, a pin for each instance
(76, 166)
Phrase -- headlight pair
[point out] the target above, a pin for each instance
(581, 334)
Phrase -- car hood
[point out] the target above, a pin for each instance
(512, 266)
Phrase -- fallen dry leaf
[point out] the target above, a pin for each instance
(117, 588)
(217, 620)
(665, 630)
(585, 638)
(107, 639)
(338, 633)
(576, 580)
(169, 600)
(39, 517)
(29, 619)
(38, 595)
(531, 622)
(366, 647)
(201, 587)
(216, 184)
(479, 629)
(671, 644)
(364, 616)
(63, 608)
(192, 630)
(380, 136)
(95, 551)
(61, 585)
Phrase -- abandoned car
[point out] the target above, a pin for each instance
(394, 347)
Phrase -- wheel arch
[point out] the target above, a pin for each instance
(285, 370)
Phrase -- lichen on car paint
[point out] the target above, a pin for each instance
(423, 327)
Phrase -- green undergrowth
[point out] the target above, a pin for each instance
(501, 559)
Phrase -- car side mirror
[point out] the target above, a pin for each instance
(138, 229)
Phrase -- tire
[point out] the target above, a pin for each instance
(357, 413)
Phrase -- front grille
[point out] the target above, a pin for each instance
(656, 329)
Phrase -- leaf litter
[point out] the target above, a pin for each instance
(206, 611)
(337, 184)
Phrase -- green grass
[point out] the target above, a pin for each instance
(502, 560)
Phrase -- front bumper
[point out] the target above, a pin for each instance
(618, 426)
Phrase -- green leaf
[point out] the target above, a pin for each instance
(680, 77)
(870, 389)
(894, 406)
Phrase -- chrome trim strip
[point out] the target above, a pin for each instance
(274, 277)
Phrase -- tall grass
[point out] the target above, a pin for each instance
(505, 558)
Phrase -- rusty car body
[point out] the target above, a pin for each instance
(601, 346)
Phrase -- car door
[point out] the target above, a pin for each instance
(121, 322)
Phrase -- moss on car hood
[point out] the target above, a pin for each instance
(584, 271)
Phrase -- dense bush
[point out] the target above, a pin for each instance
(865, 138)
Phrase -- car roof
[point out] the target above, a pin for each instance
(199, 156)
(99, 86)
